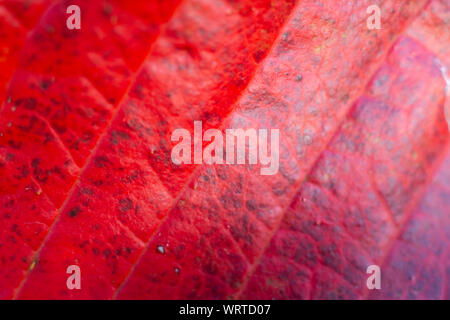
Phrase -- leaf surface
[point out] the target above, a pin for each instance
(350, 209)
(17, 18)
(88, 179)
(59, 104)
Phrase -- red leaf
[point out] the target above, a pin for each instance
(16, 19)
(85, 143)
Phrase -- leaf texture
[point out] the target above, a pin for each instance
(17, 18)
(87, 177)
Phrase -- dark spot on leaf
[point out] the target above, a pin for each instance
(35, 163)
(74, 212)
(101, 161)
(125, 204)
(30, 103)
(251, 205)
(45, 84)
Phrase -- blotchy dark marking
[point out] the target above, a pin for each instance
(125, 204)
(101, 161)
(74, 212)
(30, 103)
